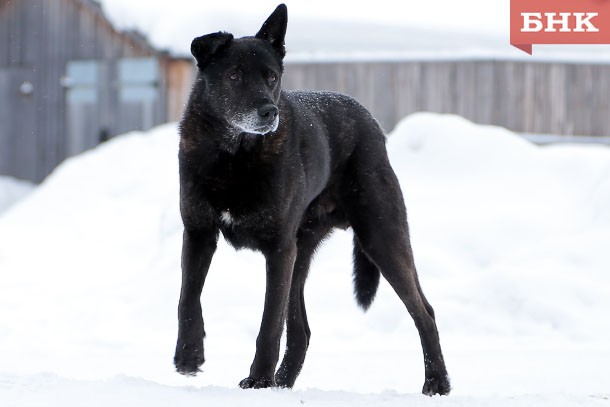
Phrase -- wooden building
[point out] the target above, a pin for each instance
(69, 79)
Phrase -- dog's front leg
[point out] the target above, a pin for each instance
(198, 247)
(280, 264)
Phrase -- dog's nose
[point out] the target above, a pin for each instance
(268, 111)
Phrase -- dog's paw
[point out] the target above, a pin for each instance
(257, 383)
(188, 369)
(437, 385)
(283, 382)
(188, 363)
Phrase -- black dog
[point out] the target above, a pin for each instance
(276, 171)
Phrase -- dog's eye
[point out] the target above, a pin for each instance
(272, 78)
(235, 76)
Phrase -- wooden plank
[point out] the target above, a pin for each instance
(6, 9)
(30, 31)
(506, 94)
(180, 76)
(23, 115)
(408, 90)
(47, 130)
(46, 96)
(382, 102)
(14, 50)
(598, 103)
(463, 84)
(6, 129)
(556, 98)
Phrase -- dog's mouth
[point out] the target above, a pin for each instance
(252, 124)
(265, 129)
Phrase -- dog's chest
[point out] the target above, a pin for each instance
(226, 218)
(252, 229)
(236, 188)
(244, 196)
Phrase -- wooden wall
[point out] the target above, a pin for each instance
(37, 39)
(179, 74)
(528, 97)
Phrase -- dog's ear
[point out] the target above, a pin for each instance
(274, 29)
(205, 46)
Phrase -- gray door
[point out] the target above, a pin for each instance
(139, 94)
(82, 81)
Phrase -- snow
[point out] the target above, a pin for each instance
(342, 30)
(157, 19)
(510, 241)
(45, 390)
(12, 190)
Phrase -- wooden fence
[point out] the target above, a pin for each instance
(528, 97)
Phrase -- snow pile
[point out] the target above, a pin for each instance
(12, 190)
(525, 227)
(509, 240)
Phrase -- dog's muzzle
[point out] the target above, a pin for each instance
(265, 119)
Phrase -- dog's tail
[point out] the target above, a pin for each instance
(366, 277)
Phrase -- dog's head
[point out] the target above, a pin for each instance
(239, 79)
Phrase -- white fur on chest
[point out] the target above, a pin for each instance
(226, 218)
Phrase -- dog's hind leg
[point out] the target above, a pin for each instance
(376, 211)
(297, 327)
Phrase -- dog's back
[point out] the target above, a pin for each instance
(329, 123)
(342, 119)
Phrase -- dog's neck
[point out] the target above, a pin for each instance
(208, 130)
(234, 140)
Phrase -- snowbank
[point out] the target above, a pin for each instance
(509, 240)
(12, 190)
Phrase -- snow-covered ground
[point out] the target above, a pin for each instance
(12, 190)
(510, 242)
